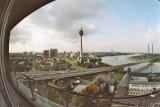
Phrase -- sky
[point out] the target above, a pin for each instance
(109, 25)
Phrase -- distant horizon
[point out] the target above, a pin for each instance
(78, 51)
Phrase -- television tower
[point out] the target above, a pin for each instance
(81, 51)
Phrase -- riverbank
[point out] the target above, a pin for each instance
(83, 66)
(144, 57)
(104, 54)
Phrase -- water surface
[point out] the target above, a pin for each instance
(124, 59)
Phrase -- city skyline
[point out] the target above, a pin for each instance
(125, 26)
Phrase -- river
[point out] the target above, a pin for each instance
(124, 59)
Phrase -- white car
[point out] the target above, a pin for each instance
(77, 81)
(153, 95)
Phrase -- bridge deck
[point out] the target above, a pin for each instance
(47, 75)
(59, 74)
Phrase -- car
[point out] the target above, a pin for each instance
(153, 95)
(76, 82)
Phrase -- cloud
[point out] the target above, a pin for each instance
(19, 35)
(150, 35)
(59, 20)
(68, 16)
(136, 42)
(105, 28)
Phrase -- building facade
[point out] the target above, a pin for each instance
(46, 54)
(53, 53)
(137, 88)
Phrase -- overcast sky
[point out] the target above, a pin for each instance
(117, 25)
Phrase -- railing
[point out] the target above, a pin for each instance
(51, 96)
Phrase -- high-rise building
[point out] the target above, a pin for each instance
(53, 53)
(25, 54)
(46, 54)
(31, 53)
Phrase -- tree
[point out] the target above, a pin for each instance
(91, 89)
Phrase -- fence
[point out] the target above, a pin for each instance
(49, 96)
